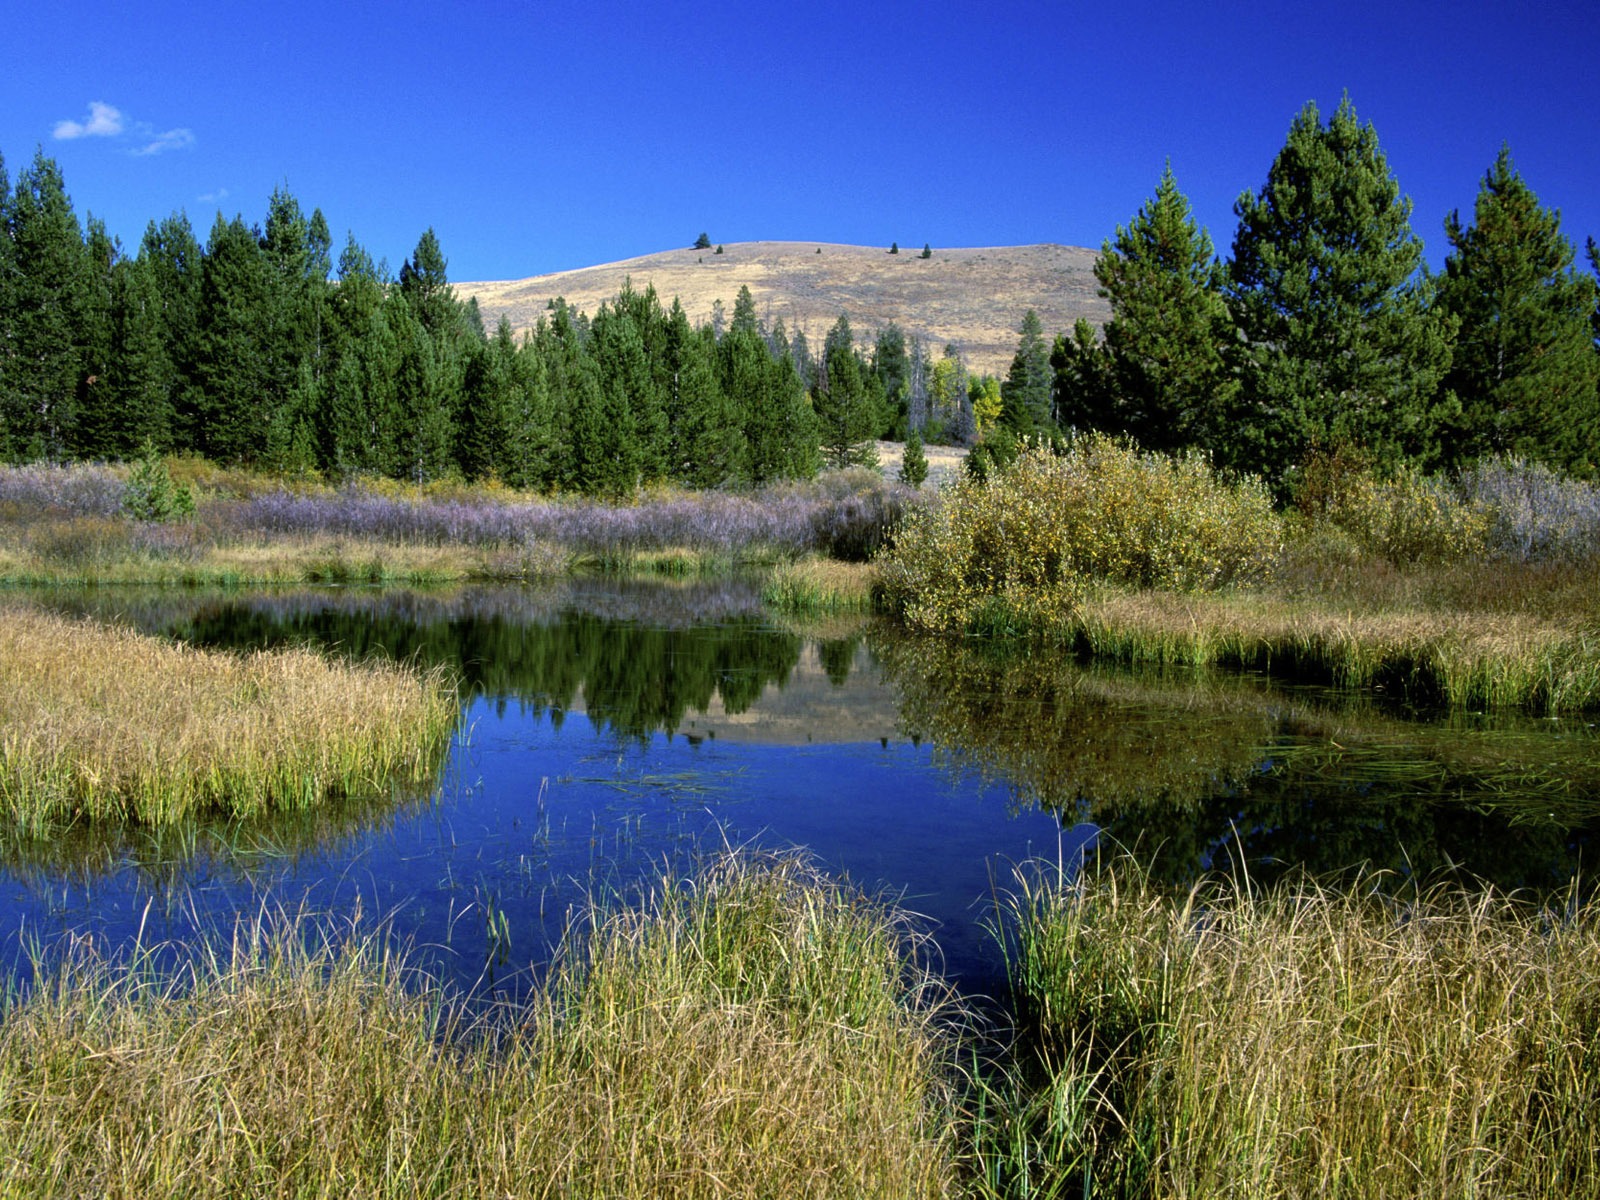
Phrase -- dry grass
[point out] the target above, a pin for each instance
(1303, 1042)
(103, 723)
(755, 1033)
(972, 296)
(1464, 658)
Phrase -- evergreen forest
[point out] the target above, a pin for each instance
(1323, 332)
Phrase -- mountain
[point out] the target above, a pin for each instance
(972, 297)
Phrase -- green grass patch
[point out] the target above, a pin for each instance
(105, 724)
(813, 586)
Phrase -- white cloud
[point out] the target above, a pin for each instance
(104, 121)
(108, 122)
(155, 143)
(216, 197)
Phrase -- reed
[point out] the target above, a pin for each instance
(105, 724)
(755, 1032)
(1302, 1041)
(820, 585)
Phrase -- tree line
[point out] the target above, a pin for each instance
(1324, 332)
(257, 348)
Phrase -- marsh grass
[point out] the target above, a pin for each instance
(756, 1032)
(105, 724)
(1464, 659)
(1307, 1040)
(820, 585)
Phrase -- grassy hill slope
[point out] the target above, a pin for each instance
(974, 297)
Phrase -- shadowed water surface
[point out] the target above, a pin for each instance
(611, 729)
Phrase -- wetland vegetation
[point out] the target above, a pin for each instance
(1272, 610)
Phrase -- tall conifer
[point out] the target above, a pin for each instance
(1525, 368)
(1339, 342)
(1169, 326)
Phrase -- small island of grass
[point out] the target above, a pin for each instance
(104, 724)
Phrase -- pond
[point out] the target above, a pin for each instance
(611, 731)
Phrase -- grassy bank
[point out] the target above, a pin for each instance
(102, 723)
(762, 1031)
(1462, 657)
(759, 1033)
(1469, 598)
(1300, 1042)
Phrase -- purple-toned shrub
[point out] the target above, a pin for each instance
(81, 490)
(1536, 514)
(848, 515)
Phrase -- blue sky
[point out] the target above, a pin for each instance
(541, 136)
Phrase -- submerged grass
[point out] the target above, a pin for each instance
(105, 724)
(757, 1032)
(1301, 1041)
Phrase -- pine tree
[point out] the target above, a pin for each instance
(892, 365)
(96, 415)
(45, 302)
(1026, 390)
(914, 464)
(1083, 395)
(170, 259)
(234, 368)
(1525, 367)
(142, 367)
(426, 389)
(1339, 343)
(1169, 327)
(426, 286)
(844, 409)
(7, 333)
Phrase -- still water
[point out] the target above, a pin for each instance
(611, 732)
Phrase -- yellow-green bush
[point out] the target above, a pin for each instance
(1411, 517)
(1019, 549)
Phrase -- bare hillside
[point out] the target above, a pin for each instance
(972, 297)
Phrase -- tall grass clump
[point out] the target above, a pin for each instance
(755, 1032)
(820, 585)
(103, 723)
(1301, 1041)
(1019, 549)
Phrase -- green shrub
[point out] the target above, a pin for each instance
(1018, 550)
(151, 495)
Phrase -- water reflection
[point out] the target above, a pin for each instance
(612, 727)
(1194, 771)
